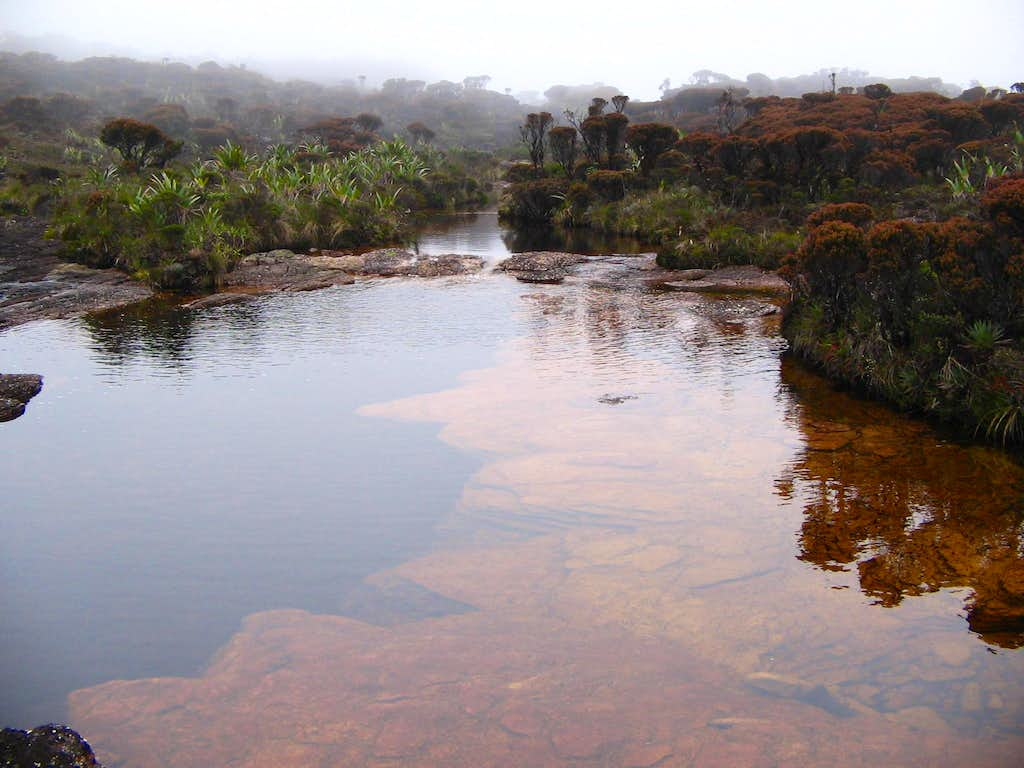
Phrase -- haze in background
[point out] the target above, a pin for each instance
(531, 44)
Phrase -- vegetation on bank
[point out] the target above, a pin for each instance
(898, 218)
(183, 226)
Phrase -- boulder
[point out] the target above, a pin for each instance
(20, 386)
(16, 389)
(54, 746)
(541, 261)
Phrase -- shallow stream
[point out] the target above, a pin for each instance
(472, 521)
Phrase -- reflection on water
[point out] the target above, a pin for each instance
(913, 515)
(638, 551)
(480, 234)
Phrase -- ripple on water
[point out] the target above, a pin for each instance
(669, 548)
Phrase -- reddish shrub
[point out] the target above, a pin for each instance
(857, 214)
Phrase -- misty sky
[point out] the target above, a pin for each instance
(532, 44)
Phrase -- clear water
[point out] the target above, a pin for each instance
(471, 521)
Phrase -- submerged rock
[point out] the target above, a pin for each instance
(54, 746)
(16, 389)
(615, 399)
(786, 687)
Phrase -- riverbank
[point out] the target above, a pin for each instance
(36, 284)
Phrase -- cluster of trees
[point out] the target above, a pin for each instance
(210, 104)
(928, 314)
(899, 218)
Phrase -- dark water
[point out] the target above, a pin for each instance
(476, 522)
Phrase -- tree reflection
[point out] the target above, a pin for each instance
(160, 331)
(913, 514)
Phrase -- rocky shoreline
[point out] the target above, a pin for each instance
(35, 284)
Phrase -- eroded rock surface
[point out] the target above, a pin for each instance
(16, 389)
(741, 279)
(388, 262)
(283, 270)
(55, 746)
(67, 290)
(541, 266)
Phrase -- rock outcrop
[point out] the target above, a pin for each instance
(66, 291)
(744, 279)
(16, 389)
(53, 746)
(541, 266)
(393, 262)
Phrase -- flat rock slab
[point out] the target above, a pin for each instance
(220, 300)
(549, 276)
(283, 270)
(16, 389)
(728, 280)
(541, 262)
(395, 262)
(68, 290)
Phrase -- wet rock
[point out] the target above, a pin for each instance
(394, 262)
(16, 389)
(283, 270)
(10, 409)
(952, 651)
(55, 746)
(67, 290)
(691, 274)
(736, 309)
(220, 300)
(548, 277)
(615, 399)
(970, 698)
(726, 723)
(782, 686)
(20, 386)
(785, 687)
(541, 261)
(646, 755)
(732, 280)
(920, 719)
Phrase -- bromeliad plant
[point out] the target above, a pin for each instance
(185, 227)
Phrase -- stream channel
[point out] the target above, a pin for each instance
(473, 521)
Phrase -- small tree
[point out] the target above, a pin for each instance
(532, 134)
(593, 131)
(420, 132)
(368, 122)
(563, 147)
(139, 144)
(649, 141)
(620, 102)
(615, 126)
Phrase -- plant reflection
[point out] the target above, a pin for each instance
(912, 515)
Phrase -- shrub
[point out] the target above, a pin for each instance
(534, 200)
(857, 214)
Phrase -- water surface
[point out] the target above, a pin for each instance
(477, 522)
